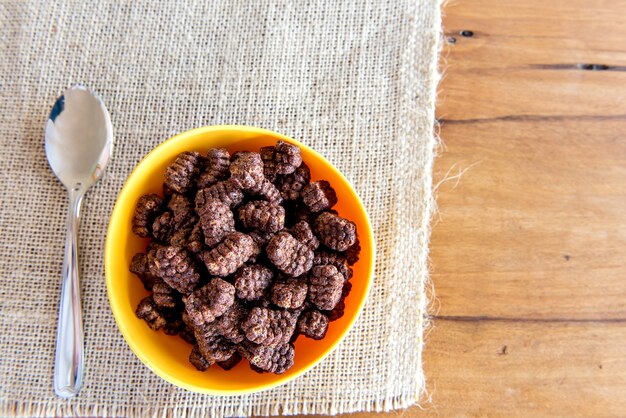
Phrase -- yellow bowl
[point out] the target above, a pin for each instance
(168, 356)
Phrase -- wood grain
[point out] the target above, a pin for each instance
(528, 247)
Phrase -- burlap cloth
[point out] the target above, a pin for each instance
(355, 80)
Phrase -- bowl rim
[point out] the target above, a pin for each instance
(110, 248)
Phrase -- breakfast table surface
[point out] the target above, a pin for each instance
(528, 246)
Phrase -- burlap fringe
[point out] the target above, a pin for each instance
(54, 409)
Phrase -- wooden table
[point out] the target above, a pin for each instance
(529, 247)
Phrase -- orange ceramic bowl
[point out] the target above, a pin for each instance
(167, 355)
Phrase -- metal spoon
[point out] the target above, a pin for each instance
(79, 141)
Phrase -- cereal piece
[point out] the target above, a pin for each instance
(195, 241)
(277, 359)
(289, 294)
(338, 260)
(217, 221)
(209, 302)
(147, 209)
(313, 324)
(167, 191)
(182, 211)
(267, 191)
(180, 237)
(164, 296)
(289, 254)
(246, 170)
(182, 173)
(290, 185)
(214, 348)
(231, 362)
(269, 167)
(346, 289)
(227, 192)
(325, 286)
(269, 327)
(187, 333)
(263, 216)
(252, 281)
(174, 265)
(260, 239)
(337, 312)
(173, 326)
(147, 310)
(163, 227)
(352, 253)
(229, 324)
(229, 255)
(198, 360)
(284, 158)
(335, 232)
(218, 161)
(139, 266)
(318, 196)
(303, 233)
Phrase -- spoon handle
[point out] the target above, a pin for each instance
(68, 360)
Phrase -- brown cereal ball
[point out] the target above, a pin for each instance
(147, 310)
(302, 232)
(195, 241)
(139, 266)
(269, 327)
(313, 324)
(319, 196)
(174, 265)
(252, 281)
(229, 255)
(182, 173)
(148, 208)
(263, 216)
(209, 302)
(182, 211)
(163, 295)
(290, 185)
(197, 360)
(289, 294)
(217, 222)
(214, 348)
(276, 359)
(217, 164)
(229, 324)
(325, 286)
(163, 227)
(289, 255)
(246, 170)
(227, 192)
(338, 260)
(335, 232)
(283, 158)
(267, 191)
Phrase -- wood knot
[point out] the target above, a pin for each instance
(593, 67)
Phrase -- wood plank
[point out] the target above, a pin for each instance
(523, 59)
(523, 369)
(536, 227)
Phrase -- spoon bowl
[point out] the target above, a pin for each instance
(78, 142)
